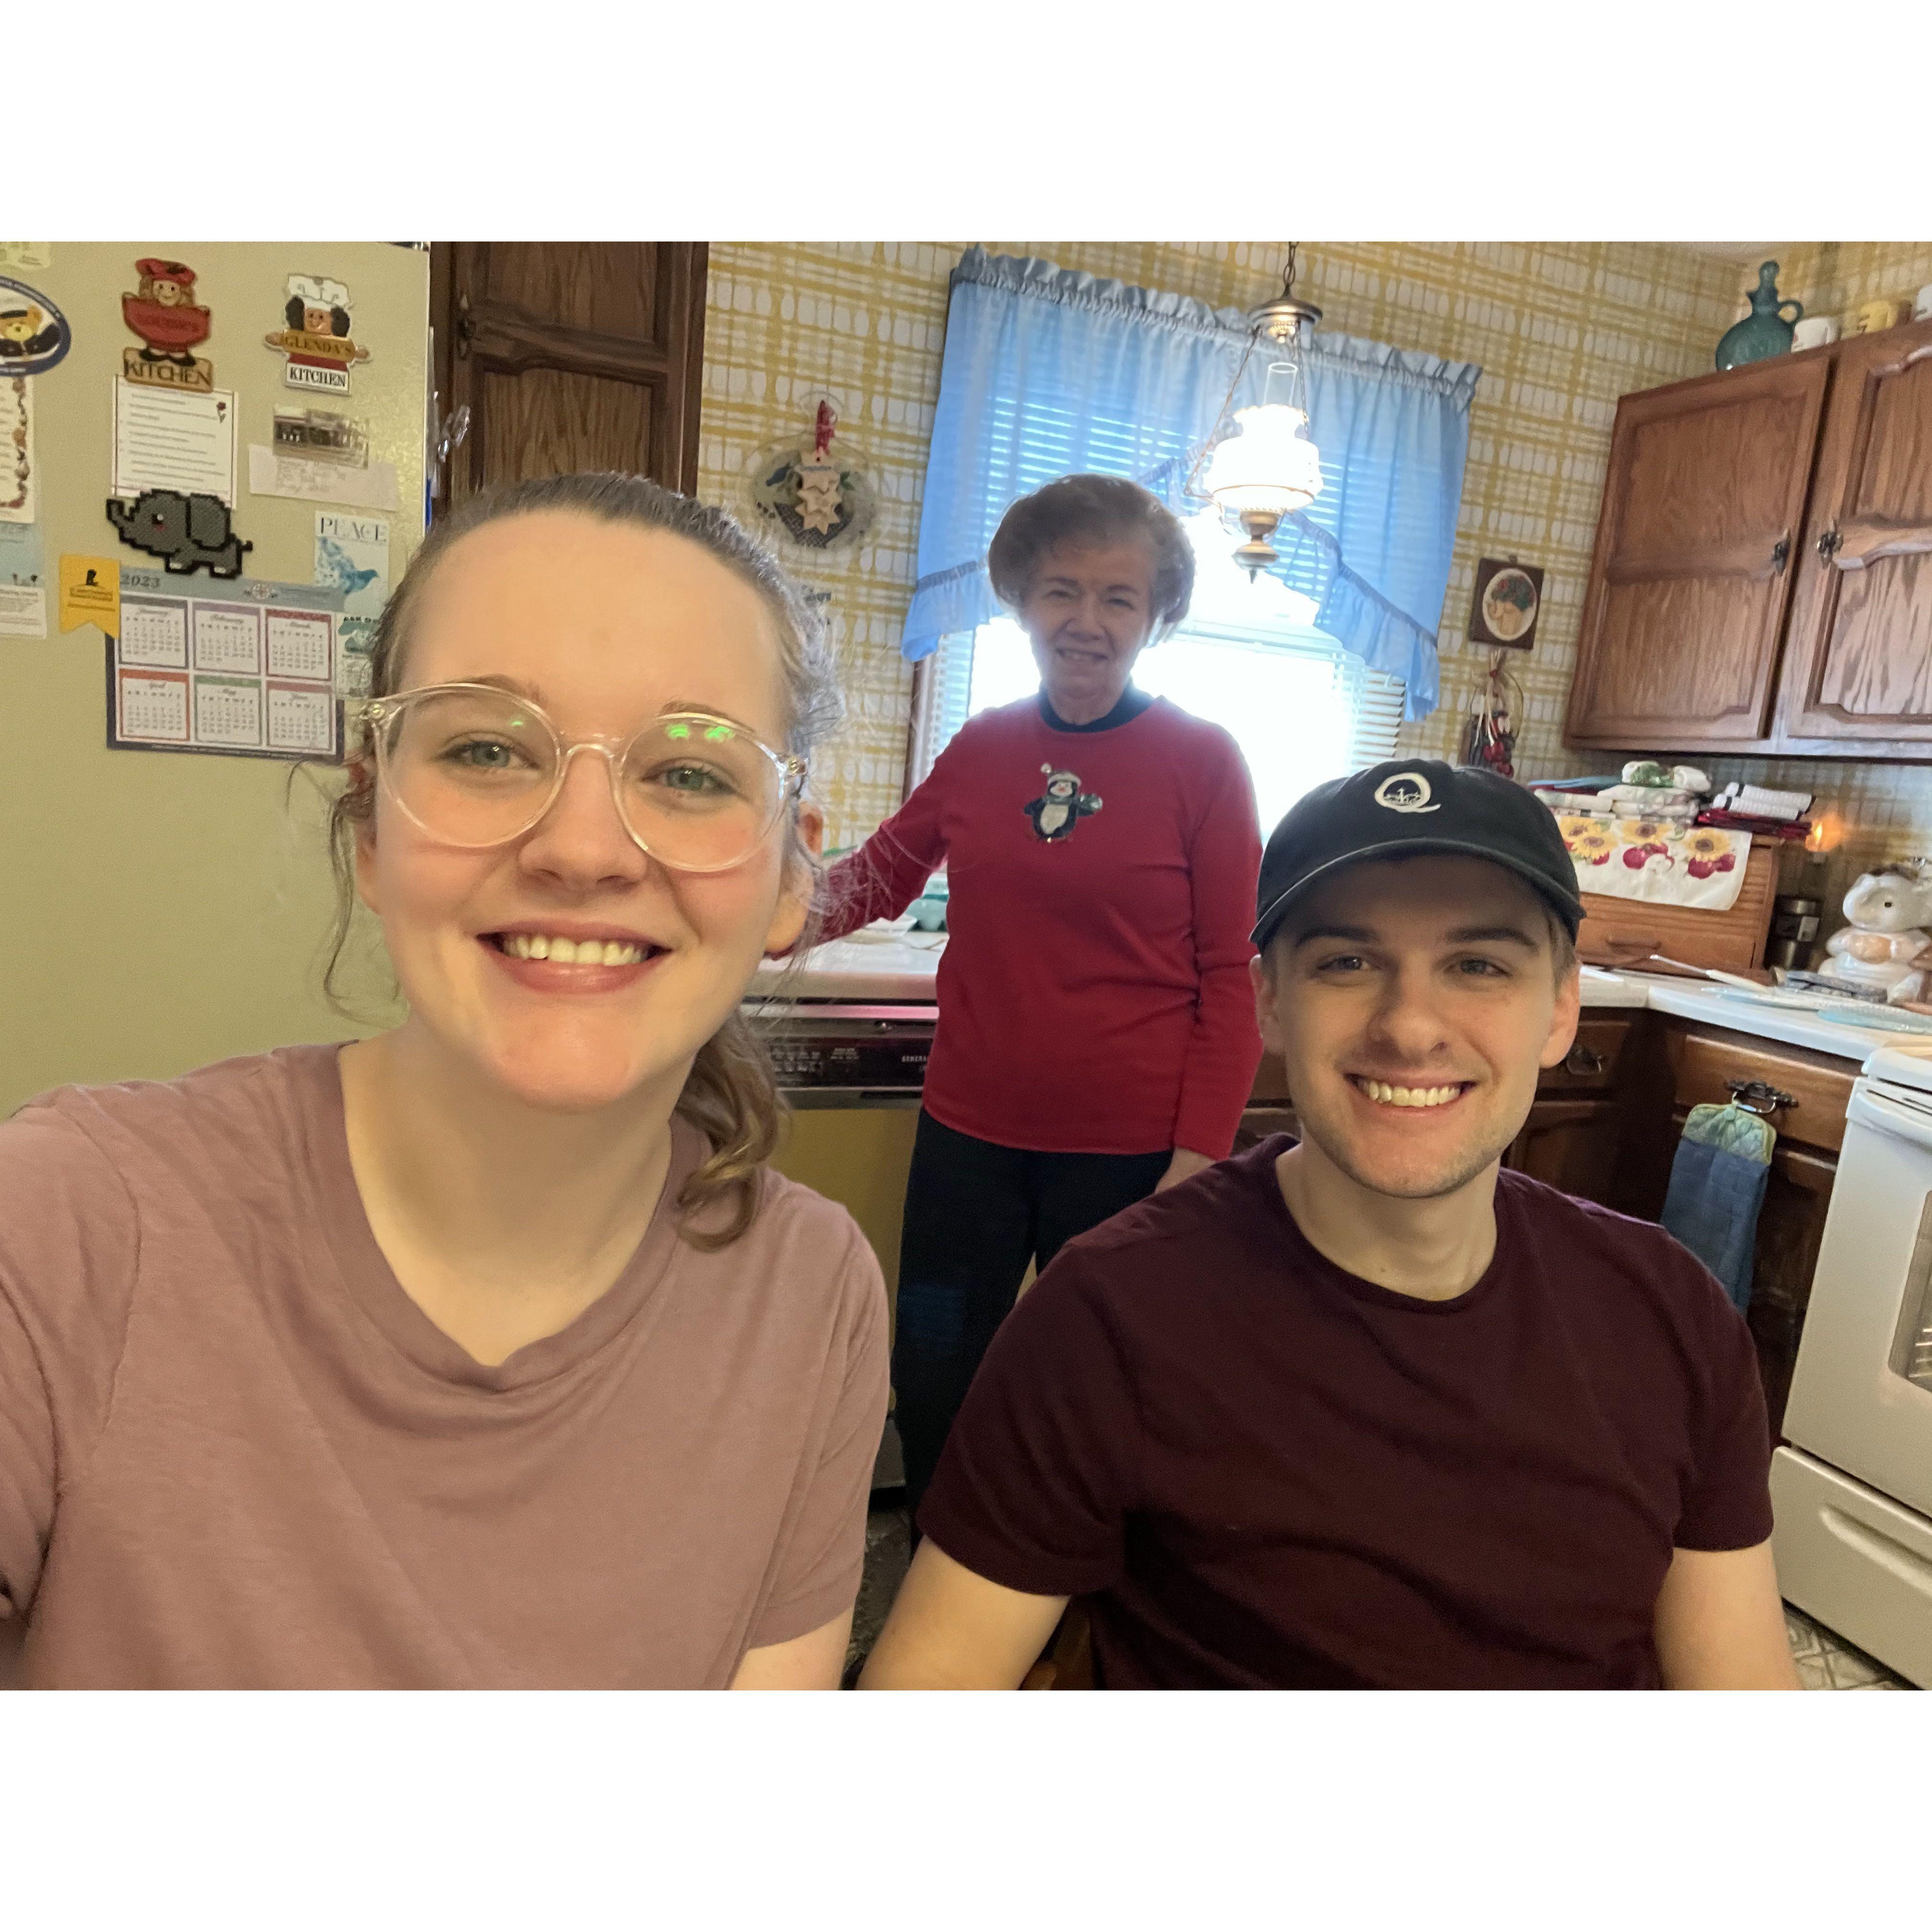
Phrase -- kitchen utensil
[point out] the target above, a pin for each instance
(1755, 983)
(1778, 996)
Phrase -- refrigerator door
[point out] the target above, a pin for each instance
(1855, 1560)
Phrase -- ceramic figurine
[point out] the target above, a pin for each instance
(1881, 947)
(1765, 331)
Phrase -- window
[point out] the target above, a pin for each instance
(1302, 708)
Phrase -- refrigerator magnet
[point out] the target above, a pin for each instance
(171, 324)
(34, 334)
(317, 335)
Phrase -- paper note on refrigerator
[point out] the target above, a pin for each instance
(272, 474)
(17, 480)
(23, 611)
(352, 555)
(174, 439)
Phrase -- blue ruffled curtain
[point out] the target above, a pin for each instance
(1048, 371)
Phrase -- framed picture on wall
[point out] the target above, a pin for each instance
(1507, 603)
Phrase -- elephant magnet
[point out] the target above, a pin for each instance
(191, 531)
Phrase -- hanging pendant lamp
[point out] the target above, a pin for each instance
(1268, 468)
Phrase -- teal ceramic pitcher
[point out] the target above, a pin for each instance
(1765, 331)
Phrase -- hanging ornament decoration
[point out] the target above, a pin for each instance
(1491, 739)
(812, 488)
(1267, 469)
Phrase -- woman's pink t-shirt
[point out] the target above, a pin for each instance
(235, 1453)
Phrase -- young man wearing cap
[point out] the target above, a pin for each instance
(1364, 1410)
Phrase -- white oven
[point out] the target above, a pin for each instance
(1852, 1493)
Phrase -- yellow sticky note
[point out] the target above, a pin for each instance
(90, 593)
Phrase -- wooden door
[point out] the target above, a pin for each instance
(1685, 611)
(1570, 1145)
(570, 355)
(1861, 654)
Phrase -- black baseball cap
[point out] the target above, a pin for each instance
(1403, 809)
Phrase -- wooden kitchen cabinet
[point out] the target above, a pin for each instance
(1690, 1065)
(1571, 1145)
(1760, 582)
(1576, 1122)
(1690, 577)
(1861, 648)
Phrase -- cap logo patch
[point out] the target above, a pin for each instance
(1404, 791)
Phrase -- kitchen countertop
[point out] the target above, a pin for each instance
(874, 963)
(1701, 1001)
(877, 963)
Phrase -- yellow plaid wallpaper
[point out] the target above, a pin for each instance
(1561, 330)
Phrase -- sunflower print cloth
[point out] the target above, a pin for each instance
(1655, 860)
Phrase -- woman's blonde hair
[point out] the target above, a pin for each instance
(731, 1095)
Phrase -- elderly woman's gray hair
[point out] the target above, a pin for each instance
(1093, 509)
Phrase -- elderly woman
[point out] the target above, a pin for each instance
(1096, 1037)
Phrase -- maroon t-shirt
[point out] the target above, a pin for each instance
(1264, 1472)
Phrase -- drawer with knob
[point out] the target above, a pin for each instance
(1595, 1057)
(1802, 1094)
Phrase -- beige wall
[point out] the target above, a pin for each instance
(164, 910)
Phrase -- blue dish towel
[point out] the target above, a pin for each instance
(1716, 1187)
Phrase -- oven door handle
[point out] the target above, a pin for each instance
(1906, 1123)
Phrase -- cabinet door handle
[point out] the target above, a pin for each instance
(1583, 1060)
(465, 327)
(1829, 543)
(1780, 555)
(1759, 1097)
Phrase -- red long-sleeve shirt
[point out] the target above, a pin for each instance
(1094, 995)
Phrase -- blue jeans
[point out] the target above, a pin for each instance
(975, 1213)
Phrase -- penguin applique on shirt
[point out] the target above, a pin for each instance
(1061, 806)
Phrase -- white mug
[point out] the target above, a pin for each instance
(1921, 306)
(1814, 331)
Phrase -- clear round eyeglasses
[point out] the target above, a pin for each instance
(475, 766)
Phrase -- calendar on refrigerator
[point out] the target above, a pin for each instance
(243, 668)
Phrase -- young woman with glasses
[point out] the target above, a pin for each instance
(486, 1352)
